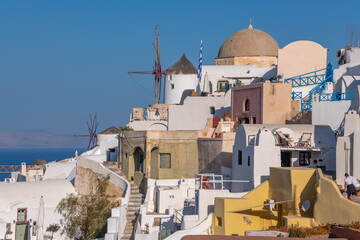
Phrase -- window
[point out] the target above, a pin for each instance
(8, 227)
(210, 87)
(304, 158)
(21, 215)
(34, 229)
(240, 158)
(254, 120)
(246, 105)
(212, 110)
(165, 160)
(172, 86)
(223, 86)
(248, 160)
(170, 77)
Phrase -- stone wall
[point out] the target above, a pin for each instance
(88, 174)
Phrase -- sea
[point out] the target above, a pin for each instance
(12, 156)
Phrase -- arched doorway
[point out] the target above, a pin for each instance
(139, 160)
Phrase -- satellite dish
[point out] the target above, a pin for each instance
(306, 206)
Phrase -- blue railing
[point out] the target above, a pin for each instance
(296, 95)
(306, 102)
(340, 96)
(305, 79)
(305, 106)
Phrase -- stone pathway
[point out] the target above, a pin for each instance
(136, 199)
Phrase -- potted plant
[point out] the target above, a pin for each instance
(217, 135)
(226, 116)
(8, 234)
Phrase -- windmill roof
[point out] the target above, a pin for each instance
(110, 130)
(182, 66)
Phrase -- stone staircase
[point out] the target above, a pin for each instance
(136, 199)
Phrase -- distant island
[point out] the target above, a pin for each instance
(39, 139)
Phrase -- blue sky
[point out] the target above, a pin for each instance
(61, 60)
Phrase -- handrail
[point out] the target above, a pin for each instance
(338, 96)
(306, 105)
(208, 181)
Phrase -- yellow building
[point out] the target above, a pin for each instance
(292, 196)
(159, 154)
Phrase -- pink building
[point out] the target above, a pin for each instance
(263, 103)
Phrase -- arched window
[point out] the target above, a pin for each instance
(246, 106)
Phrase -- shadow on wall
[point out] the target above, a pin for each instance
(219, 112)
(186, 93)
(213, 165)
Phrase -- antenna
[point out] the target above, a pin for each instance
(156, 68)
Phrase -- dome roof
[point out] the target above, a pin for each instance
(183, 66)
(249, 43)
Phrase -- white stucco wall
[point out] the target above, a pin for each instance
(329, 113)
(195, 111)
(148, 125)
(257, 141)
(175, 85)
(247, 74)
(263, 154)
(27, 195)
(347, 150)
(106, 141)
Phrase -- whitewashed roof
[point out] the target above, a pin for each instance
(59, 170)
(29, 193)
(322, 136)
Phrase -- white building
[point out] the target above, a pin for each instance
(61, 170)
(180, 81)
(179, 204)
(107, 146)
(341, 96)
(347, 150)
(19, 207)
(258, 147)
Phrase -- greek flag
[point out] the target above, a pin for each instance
(200, 63)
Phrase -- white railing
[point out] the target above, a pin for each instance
(212, 181)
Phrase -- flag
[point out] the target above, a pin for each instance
(200, 63)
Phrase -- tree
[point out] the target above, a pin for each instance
(53, 228)
(126, 128)
(85, 216)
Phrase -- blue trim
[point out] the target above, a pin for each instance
(339, 96)
(305, 80)
(301, 80)
(296, 95)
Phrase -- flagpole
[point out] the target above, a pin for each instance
(200, 68)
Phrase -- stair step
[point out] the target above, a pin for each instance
(132, 204)
(129, 213)
(128, 231)
(131, 217)
(127, 235)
